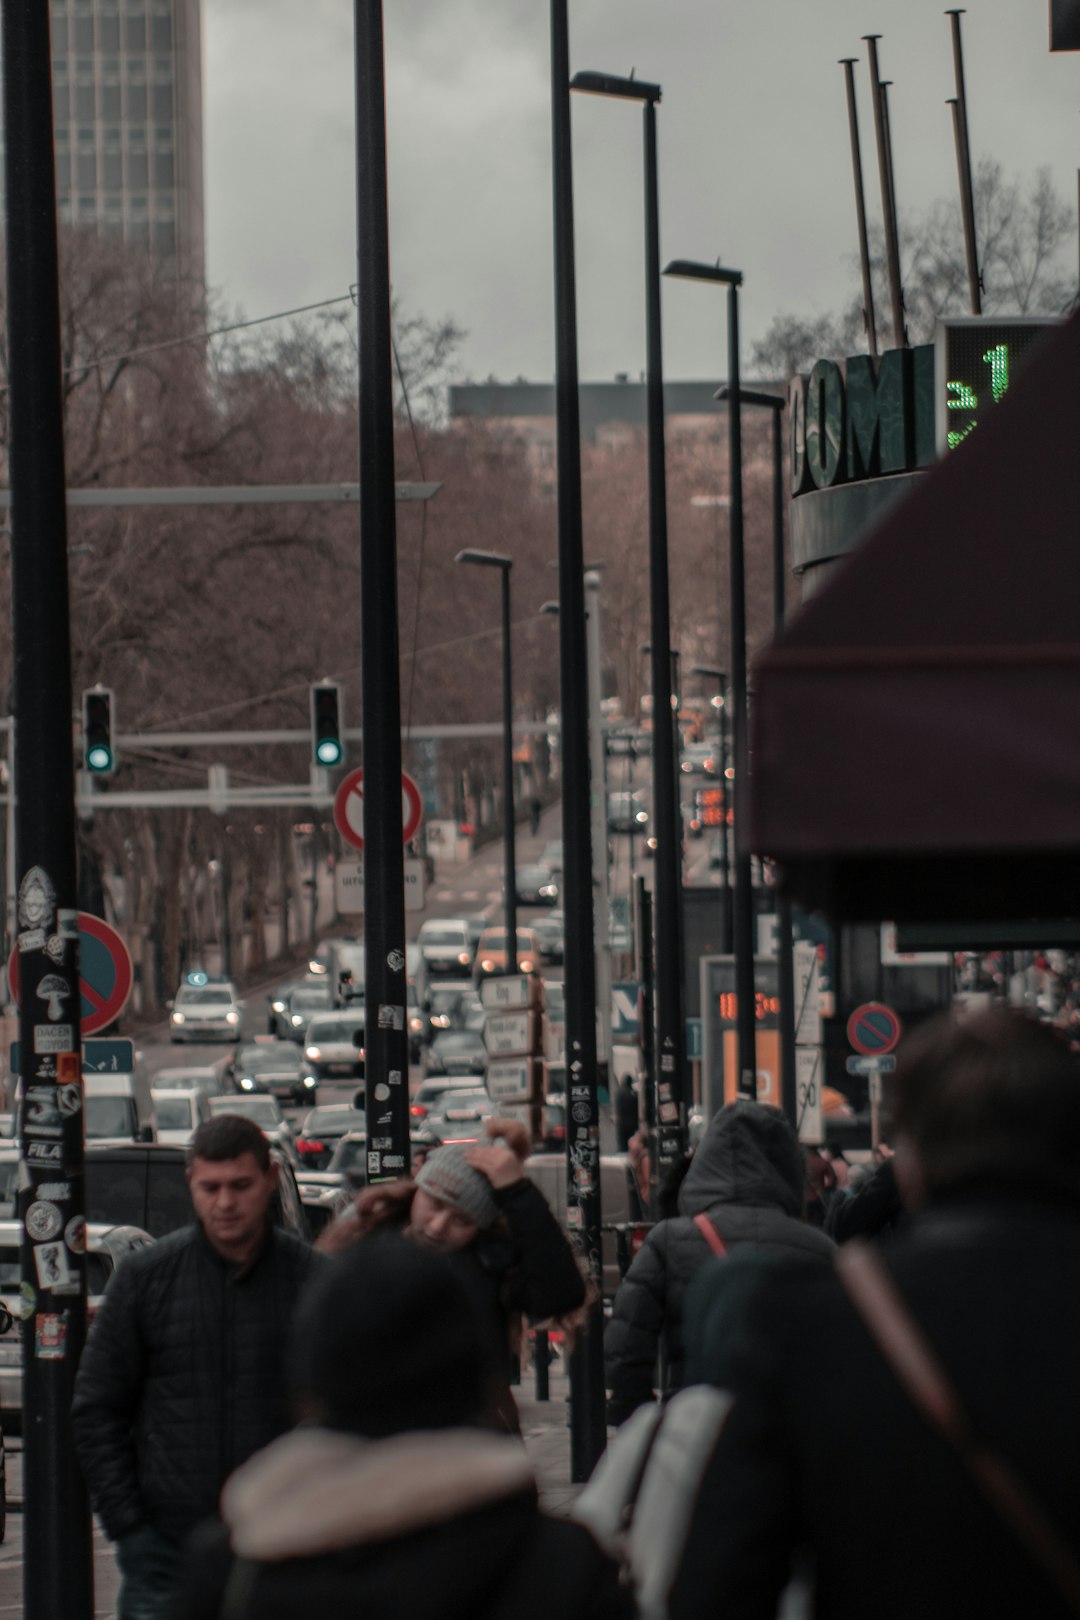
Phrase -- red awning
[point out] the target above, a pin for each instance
(916, 740)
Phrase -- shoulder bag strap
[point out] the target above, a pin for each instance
(711, 1235)
(904, 1345)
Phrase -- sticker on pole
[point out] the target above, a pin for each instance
(105, 974)
(349, 808)
(873, 1029)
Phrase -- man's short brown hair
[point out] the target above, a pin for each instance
(992, 1100)
(229, 1136)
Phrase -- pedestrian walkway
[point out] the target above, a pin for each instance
(545, 1426)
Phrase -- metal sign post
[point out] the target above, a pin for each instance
(57, 1566)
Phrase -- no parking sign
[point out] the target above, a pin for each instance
(104, 973)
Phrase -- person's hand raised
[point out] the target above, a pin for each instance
(499, 1163)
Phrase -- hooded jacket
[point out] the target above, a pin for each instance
(747, 1179)
(442, 1521)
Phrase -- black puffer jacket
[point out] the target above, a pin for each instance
(182, 1378)
(747, 1178)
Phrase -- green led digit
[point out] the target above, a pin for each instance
(956, 438)
(997, 359)
(961, 397)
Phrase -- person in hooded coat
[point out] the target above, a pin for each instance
(394, 1497)
(747, 1181)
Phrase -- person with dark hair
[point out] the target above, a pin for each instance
(394, 1497)
(905, 1422)
(743, 1185)
(478, 1205)
(182, 1378)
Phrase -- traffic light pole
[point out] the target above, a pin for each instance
(386, 1042)
(57, 1565)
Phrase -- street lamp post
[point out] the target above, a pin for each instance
(743, 894)
(494, 559)
(671, 1078)
(588, 1431)
(785, 934)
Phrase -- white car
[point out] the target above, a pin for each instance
(205, 1012)
(177, 1114)
(445, 947)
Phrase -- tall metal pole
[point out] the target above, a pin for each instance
(869, 320)
(671, 1091)
(725, 849)
(386, 1038)
(743, 897)
(57, 1566)
(588, 1431)
(785, 932)
(888, 210)
(509, 831)
(598, 802)
(963, 163)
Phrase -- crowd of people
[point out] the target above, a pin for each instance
(872, 1409)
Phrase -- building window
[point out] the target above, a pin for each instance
(109, 32)
(137, 170)
(59, 31)
(163, 100)
(84, 101)
(136, 102)
(60, 101)
(164, 236)
(63, 210)
(63, 171)
(136, 135)
(135, 33)
(86, 135)
(86, 173)
(163, 67)
(136, 69)
(161, 31)
(88, 207)
(110, 101)
(83, 31)
(163, 170)
(112, 172)
(63, 135)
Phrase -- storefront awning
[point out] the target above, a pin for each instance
(916, 736)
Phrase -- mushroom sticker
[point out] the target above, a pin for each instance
(55, 991)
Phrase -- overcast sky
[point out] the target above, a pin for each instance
(753, 142)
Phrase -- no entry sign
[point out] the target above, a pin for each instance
(349, 808)
(873, 1029)
(104, 974)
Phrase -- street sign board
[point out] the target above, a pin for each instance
(349, 808)
(620, 927)
(809, 1079)
(884, 1064)
(695, 1044)
(555, 1040)
(98, 1057)
(511, 992)
(105, 973)
(510, 1034)
(873, 1029)
(349, 887)
(807, 994)
(515, 1080)
(624, 1011)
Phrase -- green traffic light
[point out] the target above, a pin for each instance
(99, 758)
(328, 751)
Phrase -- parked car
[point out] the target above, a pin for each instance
(205, 1012)
(292, 1009)
(145, 1185)
(491, 953)
(322, 1129)
(456, 1051)
(177, 1114)
(334, 1048)
(106, 1246)
(535, 886)
(276, 1067)
(550, 933)
(445, 1006)
(266, 1113)
(626, 813)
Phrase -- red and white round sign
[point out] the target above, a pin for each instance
(349, 808)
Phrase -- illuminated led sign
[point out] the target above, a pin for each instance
(975, 361)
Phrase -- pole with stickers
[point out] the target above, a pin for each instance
(57, 1566)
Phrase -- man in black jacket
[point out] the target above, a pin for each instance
(825, 1460)
(182, 1377)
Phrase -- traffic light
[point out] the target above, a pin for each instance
(327, 746)
(99, 754)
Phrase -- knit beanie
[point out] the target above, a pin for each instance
(447, 1174)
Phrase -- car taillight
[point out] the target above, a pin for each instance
(637, 1238)
(558, 1133)
(308, 1144)
(417, 1110)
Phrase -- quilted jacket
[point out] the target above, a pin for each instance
(182, 1378)
(747, 1178)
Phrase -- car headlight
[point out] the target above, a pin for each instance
(247, 1084)
(642, 816)
(232, 1017)
(487, 964)
(416, 1026)
(278, 1006)
(313, 1054)
(177, 1018)
(310, 1080)
(527, 965)
(464, 958)
(296, 1020)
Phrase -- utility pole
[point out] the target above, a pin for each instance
(598, 800)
